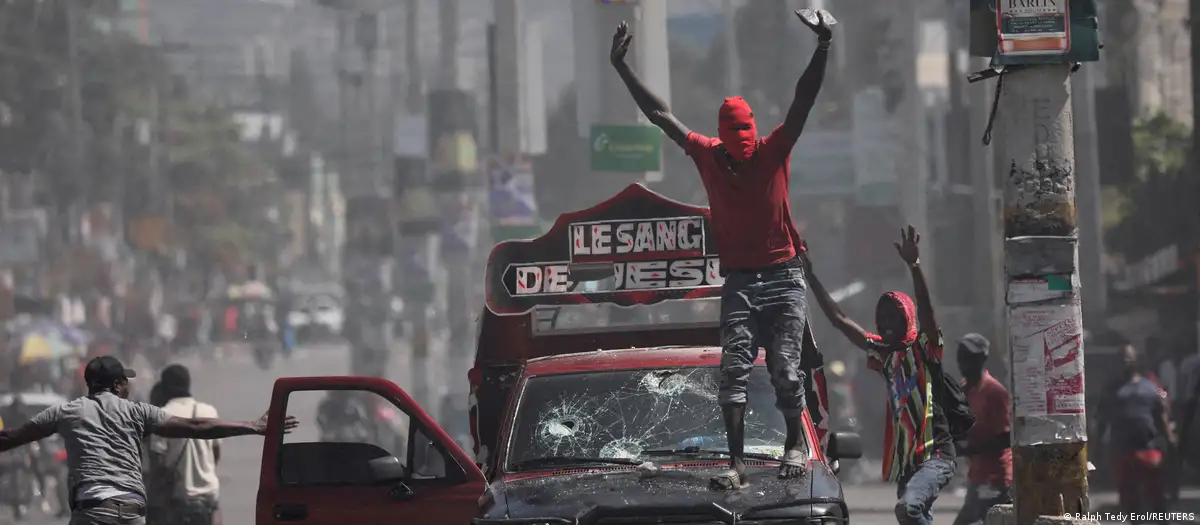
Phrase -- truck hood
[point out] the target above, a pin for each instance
(671, 492)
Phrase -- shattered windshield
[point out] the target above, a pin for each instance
(620, 414)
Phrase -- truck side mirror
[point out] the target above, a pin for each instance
(845, 445)
(387, 469)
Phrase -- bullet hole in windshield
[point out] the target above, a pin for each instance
(621, 415)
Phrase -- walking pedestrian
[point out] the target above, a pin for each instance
(103, 434)
(989, 447)
(182, 474)
(1137, 416)
(919, 448)
(763, 301)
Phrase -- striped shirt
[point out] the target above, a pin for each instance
(915, 429)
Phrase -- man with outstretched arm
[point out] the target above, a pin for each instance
(763, 301)
(918, 448)
(103, 434)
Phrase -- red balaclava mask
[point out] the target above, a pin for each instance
(736, 129)
(899, 301)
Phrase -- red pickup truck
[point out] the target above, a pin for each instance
(594, 396)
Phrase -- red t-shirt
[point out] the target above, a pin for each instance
(751, 214)
(991, 404)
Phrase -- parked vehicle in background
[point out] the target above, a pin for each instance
(316, 317)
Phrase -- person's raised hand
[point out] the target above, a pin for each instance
(907, 247)
(289, 423)
(819, 20)
(620, 44)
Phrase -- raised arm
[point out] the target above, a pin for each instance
(907, 247)
(1163, 421)
(840, 321)
(23, 435)
(212, 428)
(813, 77)
(42, 426)
(651, 105)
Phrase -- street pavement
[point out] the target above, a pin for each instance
(240, 390)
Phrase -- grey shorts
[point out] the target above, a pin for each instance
(764, 309)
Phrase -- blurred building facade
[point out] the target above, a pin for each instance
(1148, 51)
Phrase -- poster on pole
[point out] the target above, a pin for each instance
(1016, 32)
(1047, 345)
(511, 195)
(1033, 27)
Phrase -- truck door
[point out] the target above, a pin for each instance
(365, 453)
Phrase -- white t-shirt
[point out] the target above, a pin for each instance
(199, 463)
(167, 327)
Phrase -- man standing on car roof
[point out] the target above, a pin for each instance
(763, 301)
(103, 434)
(918, 448)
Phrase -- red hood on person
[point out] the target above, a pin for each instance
(905, 304)
(736, 128)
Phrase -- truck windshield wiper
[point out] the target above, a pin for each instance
(571, 460)
(693, 451)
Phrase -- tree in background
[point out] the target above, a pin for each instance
(126, 87)
(219, 183)
(1155, 209)
(31, 87)
(303, 110)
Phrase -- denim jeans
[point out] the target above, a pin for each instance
(764, 309)
(917, 491)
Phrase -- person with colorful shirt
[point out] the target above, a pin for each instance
(763, 301)
(1137, 417)
(989, 446)
(918, 448)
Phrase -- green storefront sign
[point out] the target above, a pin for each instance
(626, 148)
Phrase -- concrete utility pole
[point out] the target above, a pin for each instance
(733, 66)
(449, 366)
(342, 65)
(448, 44)
(1045, 322)
(970, 105)
(1091, 228)
(989, 254)
(602, 97)
(414, 101)
(508, 82)
(912, 158)
(78, 144)
(1194, 17)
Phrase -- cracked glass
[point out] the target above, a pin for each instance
(620, 414)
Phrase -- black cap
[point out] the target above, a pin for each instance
(975, 344)
(105, 370)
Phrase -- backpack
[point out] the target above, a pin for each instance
(959, 416)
